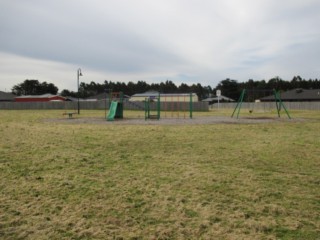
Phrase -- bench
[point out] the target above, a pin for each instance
(69, 114)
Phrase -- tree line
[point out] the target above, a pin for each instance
(229, 87)
(261, 88)
(131, 88)
(34, 87)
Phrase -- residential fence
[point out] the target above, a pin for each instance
(100, 105)
(264, 106)
(172, 106)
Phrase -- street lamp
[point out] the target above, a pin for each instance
(79, 73)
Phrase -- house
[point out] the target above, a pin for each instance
(296, 95)
(6, 97)
(103, 96)
(215, 99)
(164, 97)
(100, 96)
(40, 98)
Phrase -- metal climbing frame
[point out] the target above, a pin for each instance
(153, 112)
(148, 113)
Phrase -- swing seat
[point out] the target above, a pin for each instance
(69, 114)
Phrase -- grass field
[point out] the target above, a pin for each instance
(216, 181)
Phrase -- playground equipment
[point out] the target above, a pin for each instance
(115, 106)
(153, 105)
(169, 105)
(179, 105)
(277, 99)
(148, 113)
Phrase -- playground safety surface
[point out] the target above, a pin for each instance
(172, 121)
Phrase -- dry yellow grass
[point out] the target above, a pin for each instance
(217, 181)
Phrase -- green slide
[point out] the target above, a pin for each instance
(112, 111)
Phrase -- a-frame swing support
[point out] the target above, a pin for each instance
(279, 103)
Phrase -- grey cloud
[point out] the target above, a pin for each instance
(182, 40)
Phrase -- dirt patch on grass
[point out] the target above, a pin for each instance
(172, 121)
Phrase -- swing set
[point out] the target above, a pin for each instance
(251, 93)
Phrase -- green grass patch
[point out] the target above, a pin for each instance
(217, 181)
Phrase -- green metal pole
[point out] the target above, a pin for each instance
(238, 106)
(276, 100)
(190, 105)
(243, 93)
(285, 109)
(149, 108)
(158, 106)
(121, 97)
(145, 109)
(282, 104)
(121, 105)
(110, 97)
(238, 102)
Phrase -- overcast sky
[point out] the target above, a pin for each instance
(190, 41)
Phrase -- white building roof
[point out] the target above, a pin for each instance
(156, 94)
(47, 95)
(215, 99)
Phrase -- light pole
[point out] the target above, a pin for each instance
(79, 73)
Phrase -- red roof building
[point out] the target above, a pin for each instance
(39, 98)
